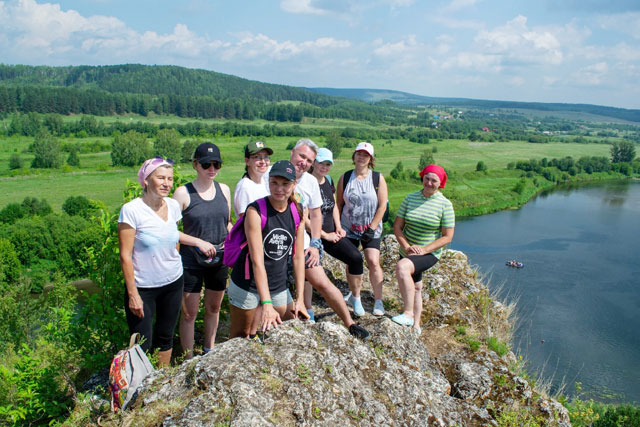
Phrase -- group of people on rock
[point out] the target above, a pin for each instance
(291, 212)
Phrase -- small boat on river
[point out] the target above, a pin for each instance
(514, 263)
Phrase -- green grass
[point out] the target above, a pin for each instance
(472, 192)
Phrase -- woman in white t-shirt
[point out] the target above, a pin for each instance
(148, 237)
(253, 185)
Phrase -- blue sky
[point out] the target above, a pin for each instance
(575, 51)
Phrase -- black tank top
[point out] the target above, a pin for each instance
(204, 219)
(328, 202)
(278, 236)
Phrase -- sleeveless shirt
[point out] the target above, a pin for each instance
(204, 219)
(360, 205)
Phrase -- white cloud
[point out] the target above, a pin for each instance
(457, 5)
(301, 7)
(591, 75)
(516, 81)
(516, 42)
(473, 61)
(626, 23)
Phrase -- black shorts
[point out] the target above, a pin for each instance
(421, 263)
(373, 243)
(346, 252)
(215, 279)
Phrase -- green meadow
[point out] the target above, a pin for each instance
(98, 180)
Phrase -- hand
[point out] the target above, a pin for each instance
(332, 237)
(368, 235)
(136, 306)
(312, 257)
(206, 248)
(270, 317)
(341, 232)
(415, 250)
(300, 311)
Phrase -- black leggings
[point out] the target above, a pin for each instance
(421, 263)
(346, 252)
(164, 302)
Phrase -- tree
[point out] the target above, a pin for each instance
(46, 149)
(129, 149)
(78, 205)
(481, 166)
(426, 159)
(623, 151)
(188, 148)
(167, 144)
(334, 143)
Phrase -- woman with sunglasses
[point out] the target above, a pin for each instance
(148, 238)
(206, 218)
(254, 184)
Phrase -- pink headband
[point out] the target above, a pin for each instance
(438, 171)
(151, 165)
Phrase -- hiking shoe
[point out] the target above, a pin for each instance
(403, 320)
(359, 332)
(417, 330)
(347, 298)
(378, 308)
(312, 318)
(358, 309)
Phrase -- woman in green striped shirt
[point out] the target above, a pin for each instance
(424, 225)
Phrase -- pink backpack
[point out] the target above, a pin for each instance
(236, 240)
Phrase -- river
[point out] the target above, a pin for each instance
(578, 295)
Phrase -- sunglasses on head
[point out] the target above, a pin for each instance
(216, 165)
(158, 160)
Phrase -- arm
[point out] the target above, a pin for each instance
(181, 195)
(339, 233)
(253, 231)
(340, 196)
(398, 226)
(227, 195)
(126, 236)
(445, 239)
(382, 203)
(315, 217)
(298, 274)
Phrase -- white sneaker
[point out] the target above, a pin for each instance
(347, 298)
(378, 308)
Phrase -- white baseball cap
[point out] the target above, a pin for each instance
(324, 155)
(365, 146)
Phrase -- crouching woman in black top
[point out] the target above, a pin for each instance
(268, 249)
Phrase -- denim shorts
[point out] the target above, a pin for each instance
(246, 300)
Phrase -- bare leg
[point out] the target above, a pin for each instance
(308, 293)
(375, 271)
(329, 292)
(240, 322)
(212, 303)
(404, 270)
(164, 358)
(417, 304)
(257, 318)
(190, 305)
(355, 283)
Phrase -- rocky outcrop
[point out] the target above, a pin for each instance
(317, 374)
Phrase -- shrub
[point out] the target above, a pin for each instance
(47, 151)
(15, 162)
(78, 205)
(334, 143)
(129, 149)
(623, 151)
(481, 166)
(73, 159)
(426, 159)
(33, 206)
(167, 144)
(11, 213)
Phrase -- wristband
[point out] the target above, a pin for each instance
(316, 243)
(266, 302)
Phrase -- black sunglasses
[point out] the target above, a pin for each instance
(216, 165)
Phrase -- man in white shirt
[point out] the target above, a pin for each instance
(308, 195)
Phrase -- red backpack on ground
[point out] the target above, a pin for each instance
(236, 240)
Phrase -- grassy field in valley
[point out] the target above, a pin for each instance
(98, 180)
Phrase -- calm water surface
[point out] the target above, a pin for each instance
(579, 290)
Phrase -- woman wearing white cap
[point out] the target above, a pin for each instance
(332, 233)
(362, 200)
(148, 236)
